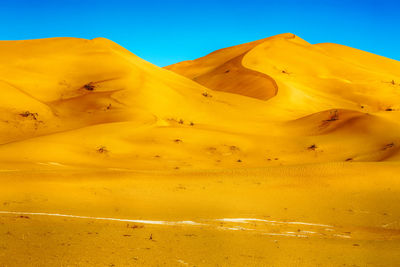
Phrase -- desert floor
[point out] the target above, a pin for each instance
(336, 214)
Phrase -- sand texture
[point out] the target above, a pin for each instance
(276, 152)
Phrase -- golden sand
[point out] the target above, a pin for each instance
(271, 153)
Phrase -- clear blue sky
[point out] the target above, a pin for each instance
(165, 32)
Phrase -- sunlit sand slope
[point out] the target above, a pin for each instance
(325, 91)
(54, 85)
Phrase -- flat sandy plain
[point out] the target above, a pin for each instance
(271, 153)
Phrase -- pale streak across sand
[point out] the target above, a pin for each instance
(101, 218)
(284, 234)
(247, 220)
(236, 228)
(51, 163)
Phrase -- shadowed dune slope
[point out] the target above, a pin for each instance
(231, 77)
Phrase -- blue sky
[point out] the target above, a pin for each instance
(165, 32)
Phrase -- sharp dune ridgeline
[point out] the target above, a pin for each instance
(276, 152)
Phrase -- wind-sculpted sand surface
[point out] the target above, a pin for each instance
(272, 153)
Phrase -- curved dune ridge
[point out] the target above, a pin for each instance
(223, 71)
(68, 102)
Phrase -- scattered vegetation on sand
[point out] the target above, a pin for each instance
(212, 149)
(134, 226)
(27, 114)
(312, 147)
(334, 115)
(388, 146)
(102, 150)
(180, 121)
(205, 94)
(89, 86)
(234, 148)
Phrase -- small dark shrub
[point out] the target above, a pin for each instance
(334, 116)
(312, 147)
(89, 86)
(27, 114)
(102, 149)
(388, 146)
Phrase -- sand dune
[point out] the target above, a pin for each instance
(267, 140)
(310, 77)
(276, 101)
(93, 103)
